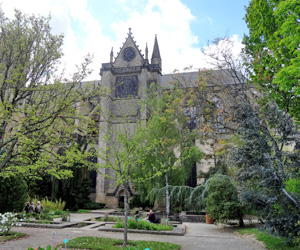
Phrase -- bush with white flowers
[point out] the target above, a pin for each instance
(7, 221)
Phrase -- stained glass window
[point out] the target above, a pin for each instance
(126, 86)
(218, 119)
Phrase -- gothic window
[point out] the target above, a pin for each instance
(218, 120)
(190, 112)
(126, 86)
(93, 174)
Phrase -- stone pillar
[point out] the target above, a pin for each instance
(104, 128)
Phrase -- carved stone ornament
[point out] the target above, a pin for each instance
(128, 54)
(126, 86)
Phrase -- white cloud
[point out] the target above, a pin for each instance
(169, 19)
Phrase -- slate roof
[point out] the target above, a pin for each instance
(190, 79)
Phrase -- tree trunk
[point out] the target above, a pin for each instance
(167, 197)
(241, 221)
(125, 215)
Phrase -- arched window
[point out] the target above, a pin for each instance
(93, 173)
(218, 119)
(190, 112)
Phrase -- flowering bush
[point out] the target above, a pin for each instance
(7, 221)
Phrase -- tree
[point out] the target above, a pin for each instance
(175, 151)
(75, 191)
(267, 160)
(273, 47)
(125, 153)
(222, 202)
(13, 194)
(37, 105)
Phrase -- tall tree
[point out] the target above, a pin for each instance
(37, 105)
(125, 153)
(267, 161)
(273, 47)
(176, 151)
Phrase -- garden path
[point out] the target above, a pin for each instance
(198, 236)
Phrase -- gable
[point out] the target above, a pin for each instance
(129, 55)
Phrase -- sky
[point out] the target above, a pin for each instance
(183, 27)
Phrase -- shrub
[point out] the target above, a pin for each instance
(51, 205)
(7, 221)
(58, 212)
(136, 201)
(13, 194)
(143, 225)
(222, 202)
(40, 248)
(94, 205)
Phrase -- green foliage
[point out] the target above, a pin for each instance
(11, 236)
(222, 201)
(40, 248)
(267, 164)
(178, 195)
(136, 201)
(174, 154)
(110, 219)
(93, 205)
(273, 46)
(97, 243)
(293, 185)
(37, 105)
(75, 190)
(7, 221)
(51, 205)
(272, 242)
(187, 198)
(14, 194)
(143, 225)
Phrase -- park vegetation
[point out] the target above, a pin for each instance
(256, 168)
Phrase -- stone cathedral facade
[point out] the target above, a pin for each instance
(126, 78)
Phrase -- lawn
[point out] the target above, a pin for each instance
(271, 242)
(143, 225)
(11, 236)
(97, 243)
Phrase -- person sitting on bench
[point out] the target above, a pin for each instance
(151, 217)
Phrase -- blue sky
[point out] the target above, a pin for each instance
(183, 27)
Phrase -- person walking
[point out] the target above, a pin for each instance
(39, 208)
(31, 208)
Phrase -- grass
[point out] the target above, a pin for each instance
(81, 211)
(271, 242)
(97, 243)
(110, 219)
(38, 221)
(82, 224)
(143, 225)
(11, 236)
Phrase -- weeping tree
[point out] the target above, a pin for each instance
(175, 152)
(267, 161)
(186, 197)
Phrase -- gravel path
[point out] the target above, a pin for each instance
(198, 236)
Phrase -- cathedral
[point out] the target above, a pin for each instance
(126, 78)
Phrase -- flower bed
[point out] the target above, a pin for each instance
(143, 225)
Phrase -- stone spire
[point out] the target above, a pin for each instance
(146, 51)
(156, 59)
(111, 55)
